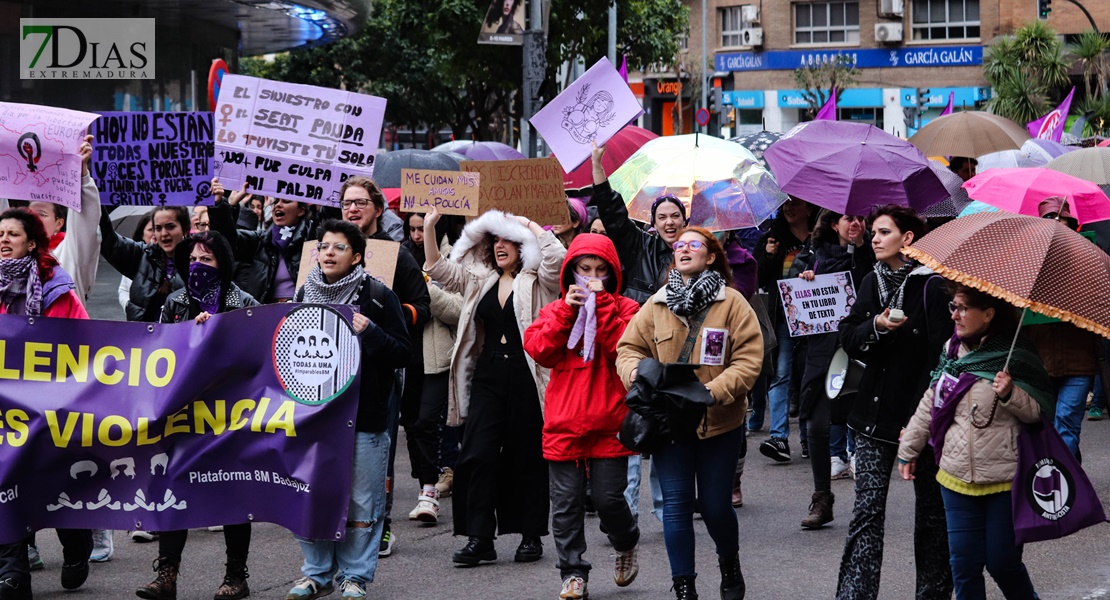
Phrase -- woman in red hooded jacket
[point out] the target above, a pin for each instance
(576, 337)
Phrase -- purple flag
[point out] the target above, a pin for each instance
(828, 111)
(951, 100)
(175, 426)
(624, 68)
(591, 110)
(1051, 126)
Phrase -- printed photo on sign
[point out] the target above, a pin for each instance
(818, 306)
(39, 158)
(504, 23)
(316, 354)
(713, 344)
(945, 384)
(153, 158)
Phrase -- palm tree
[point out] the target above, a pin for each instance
(1025, 70)
(1090, 53)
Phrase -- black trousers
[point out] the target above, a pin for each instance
(501, 481)
(237, 538)
(421, 413)
(77, 545)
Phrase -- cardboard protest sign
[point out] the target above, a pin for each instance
(531, 188)
(592, 109)
(298, 142)
(452, 192)
(38, 153)
(817, 306)
(380, 261)
(153, 158)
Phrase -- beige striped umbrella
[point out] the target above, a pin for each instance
(1092, 164)
(969, 133)
(1032, 263)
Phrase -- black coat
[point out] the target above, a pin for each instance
(144, 265)
(644, 256)
(256, 256)
(770, 266)
(385, 347)
(181, 307)
(899, 362)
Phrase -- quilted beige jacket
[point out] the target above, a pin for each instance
(979, 456)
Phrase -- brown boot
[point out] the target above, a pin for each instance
(737, 493)
(820, 510)
(164, 586)
(234, 586)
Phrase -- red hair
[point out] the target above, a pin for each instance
(713, 245)
(36, 232)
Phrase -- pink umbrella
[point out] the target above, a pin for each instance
(1021, 191)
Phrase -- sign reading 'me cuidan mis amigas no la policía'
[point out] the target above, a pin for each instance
(863, 58)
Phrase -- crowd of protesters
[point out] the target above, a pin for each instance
(506, 350)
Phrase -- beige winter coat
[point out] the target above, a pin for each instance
(978, 456)
(468, 273)
(439, 333)
(658, 333)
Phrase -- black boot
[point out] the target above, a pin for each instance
(820, 510)
(475, 551)
(732, 580)
(684, 588)
(234, 586)
(529, 550)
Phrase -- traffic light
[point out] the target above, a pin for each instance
(922, 98)
(1043, 8)
(715, 100)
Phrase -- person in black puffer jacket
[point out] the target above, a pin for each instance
(184, 304)
(900, 354)
(150, 267)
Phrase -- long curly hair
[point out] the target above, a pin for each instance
(36, 232)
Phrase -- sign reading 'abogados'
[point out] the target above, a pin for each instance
(299, 142)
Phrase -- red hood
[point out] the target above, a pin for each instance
(591, 244)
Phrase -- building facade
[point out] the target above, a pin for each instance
(899, 46)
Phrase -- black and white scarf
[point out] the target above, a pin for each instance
(344, 291)
(687, 300)
(892, 283)
(20, 286)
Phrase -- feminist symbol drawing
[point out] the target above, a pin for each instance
(31, 153)
(585, 117)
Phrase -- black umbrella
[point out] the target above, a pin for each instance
(387, 167)
(758, 142)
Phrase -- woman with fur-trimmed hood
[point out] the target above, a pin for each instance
(507, 269)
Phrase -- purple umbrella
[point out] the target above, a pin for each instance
(851, 167)
(481, 150)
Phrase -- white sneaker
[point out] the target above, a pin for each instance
(427, 509)
(574, 588)
(852, 465)
(626, 567)
(352, 589)
(143, 537)
(840, 469)
(103, 546)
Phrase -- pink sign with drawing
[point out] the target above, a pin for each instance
(38, 153)
(591, 110)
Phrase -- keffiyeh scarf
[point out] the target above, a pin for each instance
(344, 291)
(20, 285)
(585, 326)
(687, 300)
(892, 283)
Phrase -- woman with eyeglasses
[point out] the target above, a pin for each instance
(897, 327)
(837, 246)
(338, 278)
(206, 262)
(971, 416)
(699, 318)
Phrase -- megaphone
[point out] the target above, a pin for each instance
(844, 375)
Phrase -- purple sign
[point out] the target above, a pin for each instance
(293, 141)
(38, 153)
(591, 110)
(248, 417)
(153, 158)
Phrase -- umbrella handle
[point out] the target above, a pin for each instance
(1006, 368)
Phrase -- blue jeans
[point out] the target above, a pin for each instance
(1071, 407)
(840, 441)
(778, 396)
(632, 492)
(1098, 399)
(356, 557)
(981, 534)
(709, 466)
(758, 401)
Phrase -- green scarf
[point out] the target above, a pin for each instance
(1025, 368)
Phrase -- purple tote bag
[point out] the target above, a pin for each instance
(1052, 496)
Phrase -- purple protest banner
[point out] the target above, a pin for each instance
(299, 142)
(153, 158)
(592, 109)
(112, 425)
(38, 153)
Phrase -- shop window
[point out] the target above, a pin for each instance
(683, 42)
(826, 22)
(731, 23)
(945, 19)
